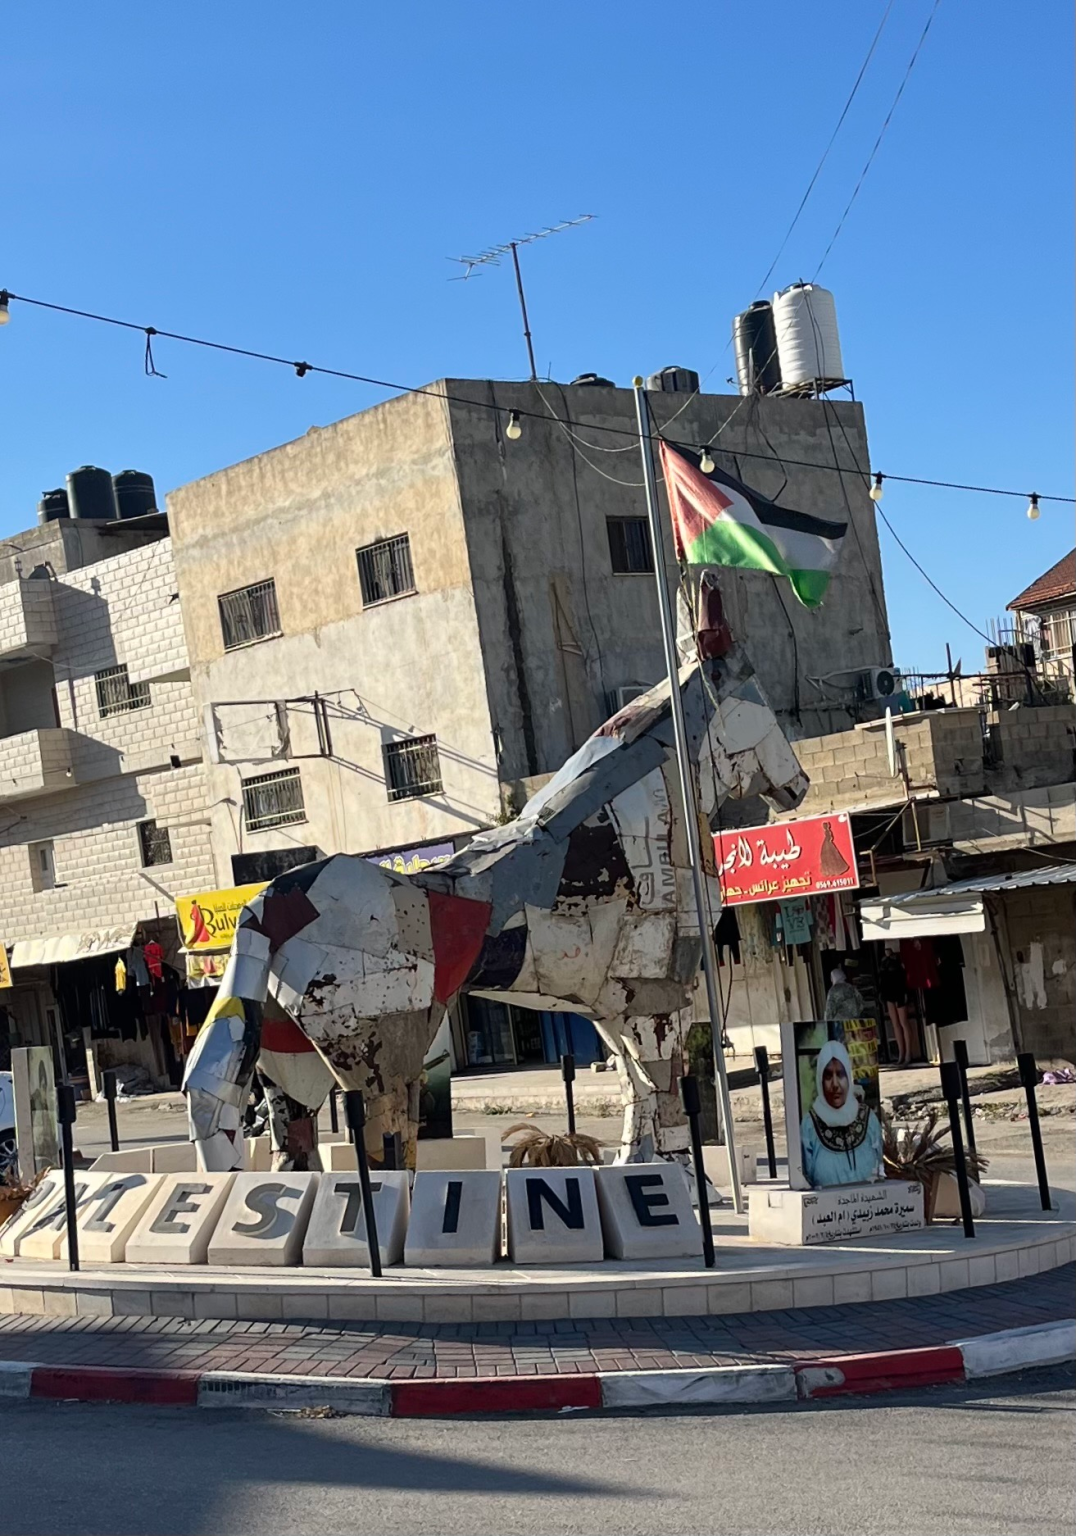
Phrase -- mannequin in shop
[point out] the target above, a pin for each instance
(844, 999)
(893, 990)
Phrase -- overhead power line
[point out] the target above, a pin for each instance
(301, 369)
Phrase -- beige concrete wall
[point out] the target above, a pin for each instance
(560, 630)
(411, 666)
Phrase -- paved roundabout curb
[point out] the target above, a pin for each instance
(963, 1360)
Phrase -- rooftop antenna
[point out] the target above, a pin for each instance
(491, 257)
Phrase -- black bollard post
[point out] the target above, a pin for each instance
(108, 1084)
(65, 1106)
(355, 1110)
(1028, 1076)
(567, 1071)
(762, 1064)
(960, 1057)
(334, 1118)
(950, 1080)
(689, 1097)
(391, 1150)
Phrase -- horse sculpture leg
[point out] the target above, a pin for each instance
(648, 1053)
(217, 1081)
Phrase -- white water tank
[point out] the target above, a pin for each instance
(808, 346)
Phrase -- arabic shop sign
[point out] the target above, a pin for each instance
(207, 921)
(408, 861)
(805, 857)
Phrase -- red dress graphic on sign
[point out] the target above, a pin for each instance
(831, 861)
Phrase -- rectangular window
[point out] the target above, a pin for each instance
(42, 866)
(385, 569)
(629, 545)
(273, 800)
(249, 614)
(154, 844)
(116, 694)
(412, 768)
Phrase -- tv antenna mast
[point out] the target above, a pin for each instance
(491, 257)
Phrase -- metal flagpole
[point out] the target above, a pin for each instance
(687, 786)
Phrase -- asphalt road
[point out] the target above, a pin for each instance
(996, 1458)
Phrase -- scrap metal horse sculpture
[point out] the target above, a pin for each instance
(342, 970)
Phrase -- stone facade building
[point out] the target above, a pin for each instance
(103, 799)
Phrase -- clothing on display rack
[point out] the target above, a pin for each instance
(920, 963)
(796, 920)
(727, 936)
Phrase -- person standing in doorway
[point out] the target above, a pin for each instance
(844, 999)
(893, 989)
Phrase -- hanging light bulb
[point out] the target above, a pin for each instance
(514, 429)
(876, 491)
(5, 313)
(706, 463)
(1033, 508)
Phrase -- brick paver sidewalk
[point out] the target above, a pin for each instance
(402, 1351)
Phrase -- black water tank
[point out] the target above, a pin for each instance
(91, 493)
(135, 495)
(52, 506)
(754, 337)
(674, 379)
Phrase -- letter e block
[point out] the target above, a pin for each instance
(646, 1212)
(176, 1226)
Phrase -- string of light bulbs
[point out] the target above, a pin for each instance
(516, 415)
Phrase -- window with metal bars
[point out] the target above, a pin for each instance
(249, 614)
(412, 768)
(385, 569)
(273, 800)
(116, 694)
(154, 844)
(629, 545)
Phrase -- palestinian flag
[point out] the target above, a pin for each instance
(719, 521)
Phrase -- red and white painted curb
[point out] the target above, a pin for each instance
(991, 1354)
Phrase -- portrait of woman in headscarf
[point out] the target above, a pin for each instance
(840, 1134)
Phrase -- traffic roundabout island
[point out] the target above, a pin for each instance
(286, 1246)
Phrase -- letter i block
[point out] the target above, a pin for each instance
(646, 1212)
(111, 1214)
(264, 1219)
(552, 1216)
(337, 1230)
(176, 1226)
(455, 1218)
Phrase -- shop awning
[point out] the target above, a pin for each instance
(72, 946)
(956, 908)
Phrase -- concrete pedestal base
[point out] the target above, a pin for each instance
(798, 1217)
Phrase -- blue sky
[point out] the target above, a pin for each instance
(292, 179)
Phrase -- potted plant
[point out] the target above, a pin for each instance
(536, 1148)
(923, 1153)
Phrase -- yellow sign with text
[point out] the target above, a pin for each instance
(207, 921)
(5, 969)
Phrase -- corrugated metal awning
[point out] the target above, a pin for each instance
(72, 946)
(956, 908)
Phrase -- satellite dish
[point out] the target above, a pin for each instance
(890, 744)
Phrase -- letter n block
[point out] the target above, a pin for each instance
(552, 1216)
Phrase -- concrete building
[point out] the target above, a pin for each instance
(103, 819)
(416, 616)
(397, 624)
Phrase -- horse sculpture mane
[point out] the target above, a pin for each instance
(342, 970)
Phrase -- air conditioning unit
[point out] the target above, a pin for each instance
(878, 683)
(620, 698)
